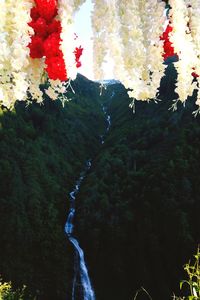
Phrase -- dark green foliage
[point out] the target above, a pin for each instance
(42, 151)
(138, 209)
(138, 217)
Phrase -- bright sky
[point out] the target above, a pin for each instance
(83, 29)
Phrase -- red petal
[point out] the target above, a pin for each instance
(56, 68)
(36, 47)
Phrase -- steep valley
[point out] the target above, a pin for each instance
(137, 211)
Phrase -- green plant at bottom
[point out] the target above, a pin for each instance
(193, 282)
(7, 292)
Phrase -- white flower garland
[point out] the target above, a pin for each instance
(130, 32)
(115, 49)
(153, 22)
(3, 41)
(100, 41)
(132, 45)
(194, 23)
(184, 47)
(15, 58)
(20, 61)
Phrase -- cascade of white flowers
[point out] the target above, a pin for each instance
(100, 42)
(184, 17)
(194, 21)
(14, 54)
(184, 46)
(130, 32)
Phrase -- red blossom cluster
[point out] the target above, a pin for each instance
(46, 39)
(78, 52)
(194, 74)
(169, 49)
(167, 45)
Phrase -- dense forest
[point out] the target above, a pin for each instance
(138, 208)
(138, 216)
(42, 151)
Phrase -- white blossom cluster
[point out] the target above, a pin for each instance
(100, 19)
(129, 31)
(185, 38)
(182, 41)
(14, 54)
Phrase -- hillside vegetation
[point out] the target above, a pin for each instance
(138, 209)
(138, 217)
(42, 151)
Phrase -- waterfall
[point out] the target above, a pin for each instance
(108, 120)
(88, 293)
(80, 268)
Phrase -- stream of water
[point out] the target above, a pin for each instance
(108, 120)
(80, 267)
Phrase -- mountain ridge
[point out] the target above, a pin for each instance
(137, 211)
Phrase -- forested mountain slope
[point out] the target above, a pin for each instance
(138, 208)
(138, 216)
(42, 151)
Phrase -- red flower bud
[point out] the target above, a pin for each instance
(167, 45)
(78, 64)
(56, 68)
(78, 52)
(52, 45)
(34, 13)
(47, 8)
(54, 26)
(40, 27)
(36, 47)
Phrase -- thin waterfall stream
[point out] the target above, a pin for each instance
(80, 267)
(108, 120)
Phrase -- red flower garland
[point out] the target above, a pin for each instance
(169, 49)
(36, 47)
(78, 52)
(46, 40)
(47, 9)
(167, 45)
(56, 68)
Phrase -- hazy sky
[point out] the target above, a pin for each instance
(84, 31)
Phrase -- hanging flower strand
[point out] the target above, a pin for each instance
(167, 45)
(130, 36)
(46, 41)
